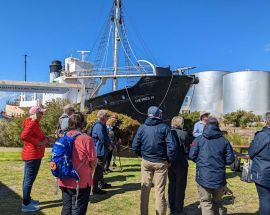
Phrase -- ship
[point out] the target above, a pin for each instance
(157, 86)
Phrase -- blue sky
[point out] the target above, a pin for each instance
(209, 34)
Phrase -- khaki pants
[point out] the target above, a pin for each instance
(211, 201)
(159, 171)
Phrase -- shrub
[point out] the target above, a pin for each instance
(190, 119)
(237, 139)
(241, 118)
(128, 126)
(10, 132)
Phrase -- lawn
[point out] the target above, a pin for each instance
(122, 199)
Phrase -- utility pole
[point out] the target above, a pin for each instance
(25, 63)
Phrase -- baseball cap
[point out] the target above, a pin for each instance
(36, 109)
(154, 112)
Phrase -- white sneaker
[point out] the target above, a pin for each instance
(30, 208)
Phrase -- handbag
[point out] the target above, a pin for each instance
(246, 173)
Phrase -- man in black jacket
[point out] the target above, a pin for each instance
(155, 144)
(259, 152)
(211, 152)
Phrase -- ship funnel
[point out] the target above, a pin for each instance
(55, 69)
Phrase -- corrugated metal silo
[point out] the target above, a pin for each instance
(208, 94)
(247, 90)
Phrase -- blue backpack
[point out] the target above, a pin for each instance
(61, 158)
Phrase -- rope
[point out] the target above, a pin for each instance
(159, 104)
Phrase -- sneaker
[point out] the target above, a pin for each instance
(30, 207)
(35, 202)
(106, 186)
(108, 170)
(99, 192)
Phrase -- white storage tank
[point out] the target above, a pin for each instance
(247, 90)
(208, 94)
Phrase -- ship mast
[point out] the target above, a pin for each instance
(116, 40)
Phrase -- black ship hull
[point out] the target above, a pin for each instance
(167, 92)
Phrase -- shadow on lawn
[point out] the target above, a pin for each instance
(118, 178)
(233, 174)
(115, 191)
(193, 209)
(11, 202)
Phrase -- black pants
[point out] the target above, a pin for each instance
(69, 198)
(177, 189)
(264, 199)
(31, 168)
(98, 175)
(108, 160)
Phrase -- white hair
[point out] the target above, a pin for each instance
(101, 114)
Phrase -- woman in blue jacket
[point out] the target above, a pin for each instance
(259, 153)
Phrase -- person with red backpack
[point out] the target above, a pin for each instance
(34, 141)
(75, 193)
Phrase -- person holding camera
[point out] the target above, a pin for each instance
(114, 133)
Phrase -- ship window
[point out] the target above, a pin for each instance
(123, 97)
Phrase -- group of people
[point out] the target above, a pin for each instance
(164, 150)
(91, 153)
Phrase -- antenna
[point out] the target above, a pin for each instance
(25, 64)
(83, 54)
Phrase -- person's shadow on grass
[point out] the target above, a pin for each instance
(11, 202)
(115, 191)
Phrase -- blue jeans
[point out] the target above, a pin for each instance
(264, 199)
(31, 168)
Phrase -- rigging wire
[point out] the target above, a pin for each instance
(143, 43)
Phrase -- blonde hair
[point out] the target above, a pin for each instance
(177, 122)
(101, 114)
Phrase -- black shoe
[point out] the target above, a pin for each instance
(99, 192)
(106, 186)
(108, 171)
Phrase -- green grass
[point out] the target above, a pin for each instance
(122, 199)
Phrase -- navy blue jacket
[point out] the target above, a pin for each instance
(154, 141)
(259, 153)
(183, 142)
(211, 152)
(101, 138)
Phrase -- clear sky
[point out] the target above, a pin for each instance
(210, 34)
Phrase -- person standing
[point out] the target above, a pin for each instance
(84, 161)
(34, 141)
(259, 152)
(156, 145)
(63, 120)
(101, 138)
(199, 126)
(177, 172)
(114, 134)
(211, 152)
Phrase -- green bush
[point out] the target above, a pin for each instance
(237, 139)
(128, 126)
(190, 119)
(241, 118)
(10, 132)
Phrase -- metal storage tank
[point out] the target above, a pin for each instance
(247, 90)
(208, 94)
